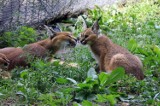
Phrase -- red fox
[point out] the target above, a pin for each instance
(41, 49)
(55, 42)
(109, 55)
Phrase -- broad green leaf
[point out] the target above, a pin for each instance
(103, 78)
(61, 80)
(84, 86)
(112, 99)
(142, 51)
(104, 98)
(56, 63)
(132, 44)
(101, 98)
(116, 74)
(92, 73)
(24, 74)
(88, 80)
(156, 49)
(87, 103)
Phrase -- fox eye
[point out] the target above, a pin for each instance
(5, 64)
(69, 36)
(86, 36)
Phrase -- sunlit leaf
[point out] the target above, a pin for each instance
(61, 80)
(84, 86)
(72, 80)
(24, 74)
(92, 73)
(103, 77)
(156, 49)
(104, 98)
(132, 44)
(87, 103)
(115, 75)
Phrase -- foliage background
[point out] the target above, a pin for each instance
(135, 26)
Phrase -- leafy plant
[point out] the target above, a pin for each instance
(97, 85)
(23, 35)
(67, 81)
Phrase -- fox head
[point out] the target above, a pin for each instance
(62, 39)
(4, 62)
(90, 34)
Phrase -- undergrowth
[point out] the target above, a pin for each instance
(72, 80)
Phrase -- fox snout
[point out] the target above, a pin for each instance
(78, 39)
(73, 42)
(81, 40)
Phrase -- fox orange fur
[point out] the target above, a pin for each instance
(3, 61)
(15, 57)
(41, 49)
(110, 55)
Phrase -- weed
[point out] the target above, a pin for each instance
(67, 81)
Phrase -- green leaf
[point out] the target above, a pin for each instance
(72, 80)
(87, 103)
(156, 49)
(116, 74)
(112, 99)
(61, 80)
(21, 93)
(100, 98)
(104, 98)
(132, 44)
(56, 63)
(84, 86)
(103, 78)
(92, 73)
(24, 74)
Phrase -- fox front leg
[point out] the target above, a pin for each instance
(102, 64)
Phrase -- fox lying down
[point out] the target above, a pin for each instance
(41, 49)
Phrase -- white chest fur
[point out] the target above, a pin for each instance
(96, 57)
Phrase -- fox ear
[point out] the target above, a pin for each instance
(84, 22)
(95, 26)
(56, 28)
(50, 32)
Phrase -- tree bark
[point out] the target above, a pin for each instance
(14, 13)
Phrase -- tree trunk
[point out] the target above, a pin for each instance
(14, 13)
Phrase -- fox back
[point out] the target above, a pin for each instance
(51, 45)
(110, 55)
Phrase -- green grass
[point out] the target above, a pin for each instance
(135, 27)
